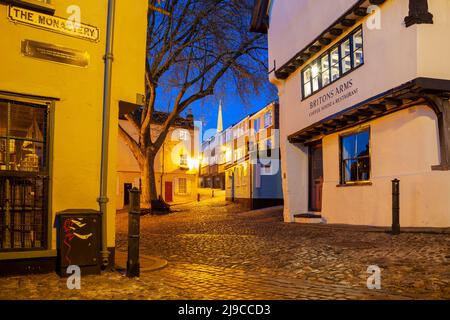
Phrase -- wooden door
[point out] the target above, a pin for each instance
(168, 191)
(315, 177)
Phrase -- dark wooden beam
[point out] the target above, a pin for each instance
(348, 22)
(315, 49)
(336, 31)
(361, 12)
(325, 41)
(378, 108)
(393, 102)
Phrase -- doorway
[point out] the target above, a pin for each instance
(126, 194)
(168, 194)
(315, 177)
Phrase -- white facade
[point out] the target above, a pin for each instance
(404, 141)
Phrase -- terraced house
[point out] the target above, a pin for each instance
(248, 154)
(62, 64)
(176, 164)
(364, 88)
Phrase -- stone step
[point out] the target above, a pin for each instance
(308, 218)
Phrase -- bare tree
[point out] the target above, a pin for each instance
(192, 45)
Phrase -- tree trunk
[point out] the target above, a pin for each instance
(148, 180)
(145, 183)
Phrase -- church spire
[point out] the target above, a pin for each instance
(219, 119)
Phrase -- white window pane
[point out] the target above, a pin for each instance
(307, 75)
(345, 48)
(315, 69)
(325, 78)
(335, 73)
(325, 63)
(315, 84)
(334, 56)
(357, 41)
(307, 89)
(346, 64)
(358, 58)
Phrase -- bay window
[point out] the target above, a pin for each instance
(336, 62)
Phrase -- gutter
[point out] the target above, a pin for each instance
(103, 199)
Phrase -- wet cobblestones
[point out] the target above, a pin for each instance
(215, 251)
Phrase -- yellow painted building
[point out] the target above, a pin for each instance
(176, 164)
(51, 107)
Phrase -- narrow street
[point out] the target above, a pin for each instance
(214, 251)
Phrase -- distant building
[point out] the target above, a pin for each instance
(364, 90)
(176, 164)
(212, 166)
(244, 160)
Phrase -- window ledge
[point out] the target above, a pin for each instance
(356, 184)
(33, 5)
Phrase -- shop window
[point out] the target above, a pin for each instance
(24, 176)
(344, 57)
(355, 157)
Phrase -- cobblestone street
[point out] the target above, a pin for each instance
(215, 252)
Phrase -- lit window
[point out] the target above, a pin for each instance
(325, 70)
(355, 157)
(268, 119)
(257, 125)
(358, 56)
(334, 56)
(333, 64)
(182, 185)
(183, 160)
(346, 60)
(183, 135)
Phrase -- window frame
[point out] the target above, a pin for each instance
(182, 162)
(318, 60)
(43, 6)
(184, 184)
(342, 180)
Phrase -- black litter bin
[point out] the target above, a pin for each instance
(78, 241)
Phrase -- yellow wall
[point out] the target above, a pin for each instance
(77, 118)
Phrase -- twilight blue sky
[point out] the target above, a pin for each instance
(234, 108)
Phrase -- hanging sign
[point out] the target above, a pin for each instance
(52, 23)
(50, 52)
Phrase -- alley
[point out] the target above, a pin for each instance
(215, 251)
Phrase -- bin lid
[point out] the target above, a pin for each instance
(78, 211)
(74, 212)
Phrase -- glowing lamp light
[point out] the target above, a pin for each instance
(193, 163)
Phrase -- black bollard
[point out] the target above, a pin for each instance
(198, 197)
(134, 216)
(396, 207)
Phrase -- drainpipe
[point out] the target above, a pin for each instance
(103, 199)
